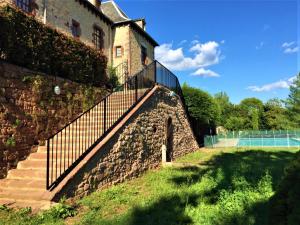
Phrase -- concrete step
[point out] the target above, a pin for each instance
(35, 205)
(32, 164)
(22, 184)
(34, 174)
(21, 195)
(43, 156)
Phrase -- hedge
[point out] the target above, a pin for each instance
(28, 43)
(285, 204)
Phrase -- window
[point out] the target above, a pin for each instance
(119, 51)
(143, 55)
(98, 38)
(25, 5)
(75, 29)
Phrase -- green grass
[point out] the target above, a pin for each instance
(227, 186)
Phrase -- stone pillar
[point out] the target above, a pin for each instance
(164, 153)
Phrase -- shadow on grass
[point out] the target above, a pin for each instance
(251, 165)
(168, 210)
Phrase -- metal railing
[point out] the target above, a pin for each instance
(71, 144)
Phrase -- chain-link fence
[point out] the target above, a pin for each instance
(261, 138)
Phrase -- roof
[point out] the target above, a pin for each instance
(113, 11)
(95, 10)
(112, 14)
(133, 24)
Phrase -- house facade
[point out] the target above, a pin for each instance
(101, 25)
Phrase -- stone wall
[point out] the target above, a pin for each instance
(59, 15)
(136, 41)
(121, 38)
(30, 111)
(136, 146)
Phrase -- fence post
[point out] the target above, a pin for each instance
(104, 116)
(136, 88)
(155, 68)
(48, 164)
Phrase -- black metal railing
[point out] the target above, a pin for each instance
(71, 144)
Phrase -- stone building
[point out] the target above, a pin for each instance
(102, 25)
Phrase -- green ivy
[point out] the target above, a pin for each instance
(28, 43)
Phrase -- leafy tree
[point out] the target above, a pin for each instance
(275, 115)
(293, 101)
(252, 111)
(234, 123)
(201, 105)
(225, 106)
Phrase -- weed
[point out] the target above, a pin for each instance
(10, 142)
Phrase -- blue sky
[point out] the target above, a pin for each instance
(245, 48)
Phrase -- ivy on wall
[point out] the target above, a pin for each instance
(28, 43)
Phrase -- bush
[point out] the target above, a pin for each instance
(285, 204)
(28, 43)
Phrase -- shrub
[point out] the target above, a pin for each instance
(285, 204)
(113, 77)
(28, 43)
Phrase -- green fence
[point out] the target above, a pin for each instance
(260, 138)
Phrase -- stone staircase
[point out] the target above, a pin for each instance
(26, 185)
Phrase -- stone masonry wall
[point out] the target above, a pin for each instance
(59, 15)
(136, 147)
(136, 41)
(30, 111)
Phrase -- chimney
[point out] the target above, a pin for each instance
(96, 3)
(141, 23)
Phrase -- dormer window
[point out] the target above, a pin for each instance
(25, 5)
(75, 29)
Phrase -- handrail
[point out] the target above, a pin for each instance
(67, 147)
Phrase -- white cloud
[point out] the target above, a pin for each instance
(205, 54)
(290, 47)
(282, 84)
(291, 50)
(287, 44)
(205, 73)
(200, 55)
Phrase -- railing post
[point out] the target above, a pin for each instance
(155, 68)
(48, 164)
(104, 116)
(136, 88)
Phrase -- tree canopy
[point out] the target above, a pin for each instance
(249, 114)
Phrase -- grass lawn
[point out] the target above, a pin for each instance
(226, 186)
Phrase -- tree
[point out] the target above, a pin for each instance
(225, 106)
(234, 123)
(275, 115)
(201, 105)
(293, 101)
(252, 111)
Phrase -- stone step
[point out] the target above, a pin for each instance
(34, 174)
(43, 156)
(35, 205)
(32, 164)
(21, 195)
(22, 184)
